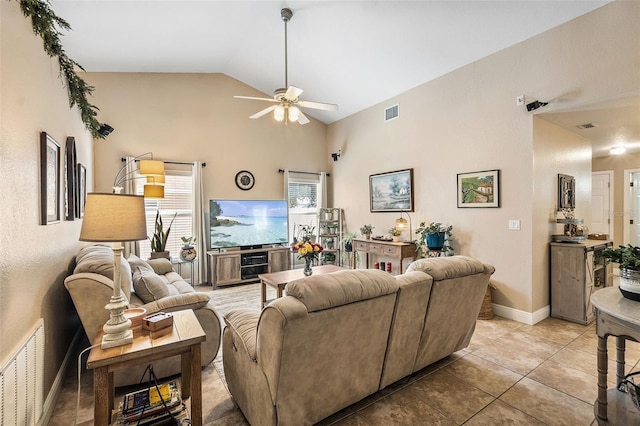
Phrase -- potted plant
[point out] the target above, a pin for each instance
(366, 230)
(432, 236)
(328, 258)
(307, 233)
(159, 238)
(628, 258)
(395, 233)
(188, 252)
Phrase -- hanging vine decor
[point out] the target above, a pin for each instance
(44, 22)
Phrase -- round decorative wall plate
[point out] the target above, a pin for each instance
(245, 180)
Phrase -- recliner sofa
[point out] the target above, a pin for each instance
(336, 338)
(152, 285)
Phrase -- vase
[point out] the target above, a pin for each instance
(307, 267)
(435, 241)
(396, 238)
(630, 283)
(188, 254)
(160, 255)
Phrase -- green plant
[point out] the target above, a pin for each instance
(628, 257)
(188, 242)
(395, 232)
(433, 228)
(159, 238)
(366, 229)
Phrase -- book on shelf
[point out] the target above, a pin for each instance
(179, 415)
(148, 402)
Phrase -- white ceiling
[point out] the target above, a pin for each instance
(352, 53)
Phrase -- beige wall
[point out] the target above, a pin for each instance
(189, 117)
(34, 259)
(555, 150)
(467, 121)
(618, 164)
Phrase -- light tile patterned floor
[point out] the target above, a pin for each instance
(510, 374)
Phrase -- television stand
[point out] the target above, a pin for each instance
(243, 266)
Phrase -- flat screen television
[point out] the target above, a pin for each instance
(248, 223)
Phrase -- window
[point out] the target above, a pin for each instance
(178, 202)
(304, 203)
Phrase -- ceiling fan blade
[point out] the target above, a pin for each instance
(263, 112)
(302, 119)
(256, 99)
(293, 93)
(318, 105)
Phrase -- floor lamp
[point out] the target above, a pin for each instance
(115, 218)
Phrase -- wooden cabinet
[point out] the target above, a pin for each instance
(279, 260)
(576, 273)
(243, 266)
(388, 249)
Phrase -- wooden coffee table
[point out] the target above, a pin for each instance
(280, 279)
(183, 338)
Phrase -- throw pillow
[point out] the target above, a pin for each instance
(148, 285)
(135, 262)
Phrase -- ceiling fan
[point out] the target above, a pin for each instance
(287, 103)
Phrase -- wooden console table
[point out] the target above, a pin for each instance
(183, 339)
(620, 317)
(398, 251)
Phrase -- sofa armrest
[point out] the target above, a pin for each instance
(244, 324)
(178, 302)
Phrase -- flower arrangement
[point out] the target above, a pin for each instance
(366, 229)
(307, 250)
(394, 232)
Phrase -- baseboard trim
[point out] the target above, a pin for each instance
(521, 316)
(56, 388)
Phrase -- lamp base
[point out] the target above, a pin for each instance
(108, 340)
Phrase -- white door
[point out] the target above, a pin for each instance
(601, 204)
(634, 223)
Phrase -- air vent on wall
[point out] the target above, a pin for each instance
(392, 112)
(586, 126)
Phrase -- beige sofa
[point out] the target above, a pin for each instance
(153, 285)
(336, 338)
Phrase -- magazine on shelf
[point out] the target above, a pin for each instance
(148, 402)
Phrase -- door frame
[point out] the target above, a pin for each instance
(610, 214)
(626, 213)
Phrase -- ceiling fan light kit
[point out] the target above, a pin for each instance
(287, 99)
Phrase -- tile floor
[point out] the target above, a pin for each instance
(511, 374)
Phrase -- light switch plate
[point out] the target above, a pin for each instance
(514, 225)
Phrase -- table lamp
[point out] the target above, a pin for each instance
(115, 218)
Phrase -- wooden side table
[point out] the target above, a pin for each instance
(182, 339)
(620, 317)
(398, 251)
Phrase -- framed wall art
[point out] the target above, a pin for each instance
(49, 179)
(479, 189)
(70, 193)
(81, 186)
(391, 191)
(566, 192)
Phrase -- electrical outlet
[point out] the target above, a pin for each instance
(520, 100)
(514, 225)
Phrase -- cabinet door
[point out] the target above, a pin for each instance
(227, 268)
(278, 260)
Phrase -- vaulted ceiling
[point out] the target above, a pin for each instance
(351, 53)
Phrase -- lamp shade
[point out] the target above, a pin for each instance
(401, 224)
(153, 191)
(113, 218)
(151, 167)
(155, 180)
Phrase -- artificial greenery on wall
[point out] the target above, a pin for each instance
(44, 22)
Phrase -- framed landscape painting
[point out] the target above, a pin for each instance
(479, 189)
(391, 191)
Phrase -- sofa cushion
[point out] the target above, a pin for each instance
(148, 285)
(161, 266)
(245, 324)
(340, 288)
(178, 302)
(98, 259)
(444, 268)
